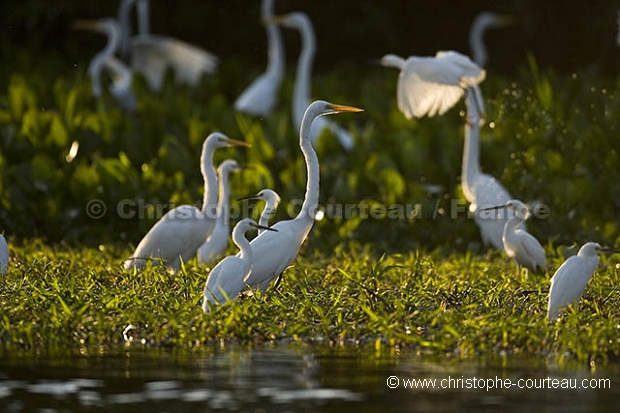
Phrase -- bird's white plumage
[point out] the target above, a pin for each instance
(570, 280)
(272, 200)
(182, 230)
(261, 96)
(217, 241)
(303, 79)
(275, 251)
(429, 86)
(4, 255)
(151, 55)
(226, 279)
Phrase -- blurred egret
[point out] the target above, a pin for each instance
(303, 79)
(217, 241)
(120, 74)
(226, 279)
(274, 251)
(261, 96)
(519, 244)
(152, 54)
(272, 200)
(4, 255)
(570, 280)
(484, 21)
(181, 231)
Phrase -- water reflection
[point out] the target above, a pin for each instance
(293, 379)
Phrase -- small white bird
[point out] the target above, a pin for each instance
(275, 251)
(181, 231)
(484, 21)
(120, 74)
(261, 96)
(226, 279)
(519, 244)
(303, 79)
(4, 255)
(570, 280)
(272, 200)
(217, 241)
(151, 54)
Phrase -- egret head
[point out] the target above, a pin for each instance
(591, 249)
(292, 20)
(227, 166)
(248, 224)
(489, 19)
(520, 209)
(104, 25)
(321, 107)
(392, 60)
(219, 140)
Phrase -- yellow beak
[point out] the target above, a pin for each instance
(344, 108)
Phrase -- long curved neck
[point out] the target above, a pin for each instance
(476, 43)
(222, 202)
(245, 249)
(275, 51)
(471, 149)
(144, 24)
(123, 20)
(264, 216)
(210, 178)
(304, 72)
(98, 62)
(311, 198)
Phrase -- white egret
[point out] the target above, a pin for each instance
(152, 54)
(274, 251)
(226, 279)
(519, 244)
(303, 79)
(432, 85)
(272, 200)
(4, 255)
(217, 241)
(120, 74)
(484, 21)
(570, 280)
(261, 96)
(181, 231)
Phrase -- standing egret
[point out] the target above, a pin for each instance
(120, 74)
(226, 279)
(519, 244)
(432, 85)
(261, 96)
(272, 200)
(274, 251)
(303, 80)
(4, 255)
(181, 231)
(152, 54)
(217, 241)
(484, 21)
(570, 280)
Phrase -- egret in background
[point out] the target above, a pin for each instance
(225, 281)
(176, 237)
(120, 74)
(275, 251)
(272, 200)
(151, 54)
(570, 280)
(484, 21)
(4, 255)
(519, 244)
(303, 79)
(261, 96)
(217, 241)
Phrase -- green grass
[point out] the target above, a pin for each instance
(79, 300)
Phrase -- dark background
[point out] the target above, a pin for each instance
(563, 35)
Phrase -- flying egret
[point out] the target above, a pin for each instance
(4, 255)
(272, 200)
(519, 244)
(120, 74)
(217, 241)
(570, 280)
(182, 230)
(226, 279)
(152, 54)
(484, 21)
(301, 93)
(261, 96)
(431, 85)
(274, 251)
